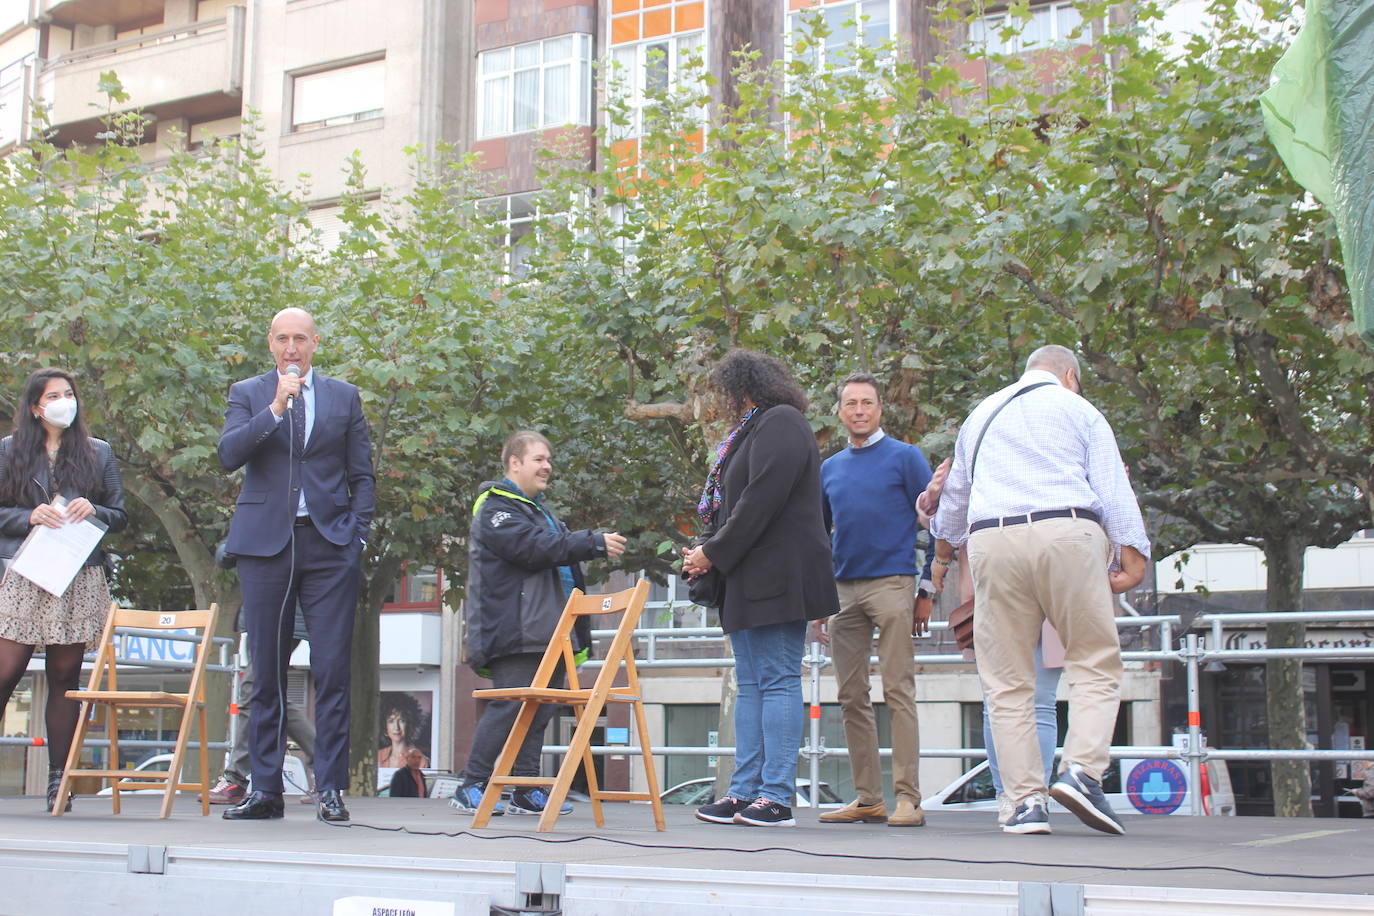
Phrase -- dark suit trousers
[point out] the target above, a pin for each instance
(324, 577)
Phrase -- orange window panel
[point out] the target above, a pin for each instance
(625, 29)
(691, 16)
(802, 4)
(649, 3)
(623, 6)
(658, 22)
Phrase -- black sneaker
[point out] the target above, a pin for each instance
(722, 811)
(766, 813)
(1029, 817)
(532, 800)
(1083, 795)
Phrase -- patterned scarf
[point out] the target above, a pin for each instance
(711, 493)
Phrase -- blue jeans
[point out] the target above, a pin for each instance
(1046, 721)
(769, 715)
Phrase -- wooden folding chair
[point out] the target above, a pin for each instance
(588, 704)
(103, 690)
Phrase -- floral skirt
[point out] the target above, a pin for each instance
(34, 617)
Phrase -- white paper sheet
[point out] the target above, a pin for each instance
(51, 557)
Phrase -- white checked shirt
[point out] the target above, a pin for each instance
(1048, 449)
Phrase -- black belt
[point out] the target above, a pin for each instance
(1010, 520)
(303, 521)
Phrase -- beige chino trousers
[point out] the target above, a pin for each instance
(885, 603)
(1022, 575)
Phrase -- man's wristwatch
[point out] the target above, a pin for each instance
(924, 592)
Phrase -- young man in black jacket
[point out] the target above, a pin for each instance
(522, 565)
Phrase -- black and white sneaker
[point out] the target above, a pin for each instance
(766, 813)
(722, 811)
(1029, 817)
(1083, 795)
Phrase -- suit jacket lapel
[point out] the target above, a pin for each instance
(267, 386)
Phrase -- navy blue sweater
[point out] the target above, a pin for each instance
(869, 498)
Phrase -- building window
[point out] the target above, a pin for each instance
(418, 589)
(851, 24)
(1049, 24)
(536, 85)
(514, 216)
(343, 95)
(325, 227)
(645, 70)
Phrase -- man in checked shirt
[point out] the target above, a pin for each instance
(1040, 497)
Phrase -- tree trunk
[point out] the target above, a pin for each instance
(364, 693)
(1292, 779)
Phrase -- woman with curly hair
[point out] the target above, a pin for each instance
(401, 722)
(51, 473)
(762, 507)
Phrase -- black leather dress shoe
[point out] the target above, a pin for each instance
(258, 806)
(332, 807)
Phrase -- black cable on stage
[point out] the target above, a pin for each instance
(552, 841)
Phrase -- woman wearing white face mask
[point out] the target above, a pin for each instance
(50, 454)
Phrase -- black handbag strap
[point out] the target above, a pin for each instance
(973, 462)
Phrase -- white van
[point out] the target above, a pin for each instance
(294, 778)
(1154, 786)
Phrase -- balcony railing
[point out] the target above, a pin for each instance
(157, 69)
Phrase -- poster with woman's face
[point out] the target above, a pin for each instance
(406, 720)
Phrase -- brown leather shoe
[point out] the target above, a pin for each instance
(856, 812)
(907, 814)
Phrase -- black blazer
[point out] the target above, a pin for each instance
(335, 469)
(403, 784)
(772, 545)
(107, 497)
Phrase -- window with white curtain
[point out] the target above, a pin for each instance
(535, 85)
(1049, 24)
(514, 215)
(341, 95)
(855, 24)
(645, 70)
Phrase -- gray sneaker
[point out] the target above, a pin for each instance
(1030, 817)
(1083, 795)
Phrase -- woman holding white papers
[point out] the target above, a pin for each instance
(52, 473)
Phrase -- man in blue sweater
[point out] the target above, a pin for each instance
(870, 491)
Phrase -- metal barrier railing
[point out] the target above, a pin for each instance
(124, 662)
(1193, 653)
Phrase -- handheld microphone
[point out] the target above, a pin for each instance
(295, 371)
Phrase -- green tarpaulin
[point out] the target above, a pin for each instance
(1320, 114)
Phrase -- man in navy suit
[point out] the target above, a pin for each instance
(298, 531)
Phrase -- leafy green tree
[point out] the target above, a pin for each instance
(1190, 271)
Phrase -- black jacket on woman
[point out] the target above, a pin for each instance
(107, 497)
(771, 545)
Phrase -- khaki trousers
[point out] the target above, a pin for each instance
(885, 603)
(1055, 569)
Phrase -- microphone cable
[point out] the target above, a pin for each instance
(283, 663)
(813, 854)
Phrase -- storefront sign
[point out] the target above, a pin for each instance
(1352, 638)
(1156, 786)
(148, 648)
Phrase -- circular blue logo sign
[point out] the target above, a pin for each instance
(1156, 786)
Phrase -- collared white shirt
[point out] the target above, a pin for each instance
(308, 401)
(873, 439)
(1048, 449)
